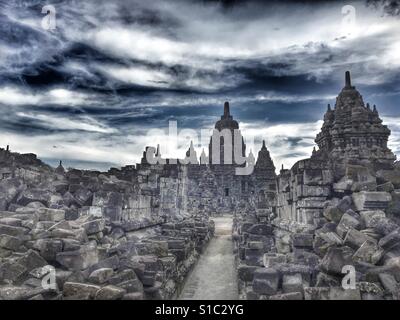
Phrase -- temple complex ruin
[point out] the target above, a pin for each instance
(135, 232)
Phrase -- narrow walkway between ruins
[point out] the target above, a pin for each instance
(214, 277)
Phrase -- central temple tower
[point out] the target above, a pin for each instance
(226, 125)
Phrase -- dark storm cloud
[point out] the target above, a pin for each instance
(111, 71)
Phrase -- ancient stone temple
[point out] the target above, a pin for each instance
(136, 232)
(210, 185)
(353, 132)
(337, 210)
(224, 134)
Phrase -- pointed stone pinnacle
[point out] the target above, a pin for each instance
(348, 80)
(226, 109)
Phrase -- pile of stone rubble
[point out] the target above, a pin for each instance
(71, 225)
(278, 260)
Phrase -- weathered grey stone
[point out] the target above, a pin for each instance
(370, 216)
(292, 283)
(47, 214)
(18, 293)
(346, 223)
(134, 285)
(355, 239)
(316, 293)
(133, 296)
(10, 242)
(365, 200)
(48, 248)
(110, 293)
(257, 245)
(94, 226)
(287, 296)
(18, 232)
(333, 214)
(302, 240)
(345, 204)
(389, 282)
(369, 252)
(265, 281)
(260, 229)
(101, 276)
(12, 271)
(31, 260)
(271, 259)
(83, 258)
(11, 221)
(386, 187)
(326, 280)
(384, 226)
(336, 258)
(391, 240)
(72, 289)
(337, 293)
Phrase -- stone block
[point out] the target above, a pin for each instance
(316, 293)
(391, 240)
(72, 289)
(366, 200)
(271, 259)
(370, 217)
(101, 276)
(81, 259)
(48, 248)
(335, 259)
(333, 213)
(292, 283)
(246, 273)
(265, 281)
(354, 239)
(369, 252)
(18, 232)
(260, 229)
(346, 223)
(337, 293)
(389, 283)
(10, 242)
(94, 226)
(287, 296)
(300, 240)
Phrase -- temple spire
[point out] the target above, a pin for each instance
(329, 107)
(348, 80)
(226, 109)
(263, 145)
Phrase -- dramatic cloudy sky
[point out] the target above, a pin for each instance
(95, 90)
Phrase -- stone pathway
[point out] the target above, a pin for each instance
(214, 277)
